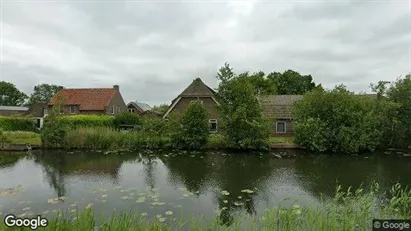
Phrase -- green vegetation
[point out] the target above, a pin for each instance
(76, 121)
(216, 141)
(17, 123)
(126, 119)
(21, 137)
(348, 210)
(10, 95)
(241, 115)
(274, 140)
(3, 138)
(42, 93)
(192, 129)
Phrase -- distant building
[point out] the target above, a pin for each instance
(196, 91)
(39, 111)
(13, 110)
(98, 101)
(137, 107)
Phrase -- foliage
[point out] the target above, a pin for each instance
(104, 138)
(54, 131)
(156, 127)
(349, 210)
(76, 121)
(241, 114)
(339, 121)
(17, 123)
(192, 130)
(3, 137)
(400, 93)
(10, 95)
(216, 141)
(42, 93)
(126, 118)
(291, 82)
(23, 137)
(161, 109)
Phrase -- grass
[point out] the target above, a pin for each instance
(348, 210)
(22, 137)
(274, 140)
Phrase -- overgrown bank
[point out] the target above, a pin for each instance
(348, 210)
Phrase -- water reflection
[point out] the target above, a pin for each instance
(229, 182)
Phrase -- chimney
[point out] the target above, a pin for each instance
(116, 87)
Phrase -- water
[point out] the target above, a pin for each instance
(183, 184)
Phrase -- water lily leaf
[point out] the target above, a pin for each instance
(239, 197)
(45, 212)
(224, 208)
(143, 214)
(247, 191)
(159, 215)
(141, 194)
(185, 195)
(237, 203)
(162, 219)
(27, 208)
(178, 206)
(124, 197)
(169, 213)
(72, 205)
(225, 193)
(225, 201)
(131, 194)
(104, 196)
(73, 210)
(141, 200)
(104, 201)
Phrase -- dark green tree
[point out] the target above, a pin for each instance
(160, 109)
(242, 120)
(291, 82)
(10, 95)
(42, 93)
(192, 130)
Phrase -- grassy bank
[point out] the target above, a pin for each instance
(275, 140)
(22, 137)
(348, 210)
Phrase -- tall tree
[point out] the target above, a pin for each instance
(242, 121)
(161, 109)
(291, 82)
(10, 95)
(43, 93)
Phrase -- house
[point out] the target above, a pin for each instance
(13, 111)
(196, 91)
(137, 107)
(280, 108)
(39, 111)
(98, 101)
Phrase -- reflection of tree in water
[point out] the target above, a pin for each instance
(193, 172)
(58, 164)
(234, 173)
(322, 174)
(149, 164)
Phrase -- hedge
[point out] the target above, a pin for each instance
(12, 123)
(76, 121)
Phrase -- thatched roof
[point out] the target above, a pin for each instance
(278, 106)
(198, 88)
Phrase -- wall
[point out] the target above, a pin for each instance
(208, 103)
(288, 126)
(118, 102)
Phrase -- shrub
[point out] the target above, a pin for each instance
(192, 130)
(54, 131)
(76, 121)
(216, 141)
(126, 118)
(3, 137)
(11, 123)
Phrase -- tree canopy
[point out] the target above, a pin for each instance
(42, 93)
(10, 95)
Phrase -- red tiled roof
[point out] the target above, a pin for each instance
(88, 99)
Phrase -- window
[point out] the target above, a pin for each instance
(112, 110)
(45, 111)
(281, 127)
(213, 125)
(61, 110)
(131, 110)
(73, 109)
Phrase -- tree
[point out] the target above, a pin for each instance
(161, 109)
(43, 93)
(291, 82)
(10, 95)
(339, 121)
(126, 119)
(192, 130)
(242, 120)
(400, 93)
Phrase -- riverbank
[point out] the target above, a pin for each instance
(348, 210)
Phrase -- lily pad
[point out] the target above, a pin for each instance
(225, 201)
(141, 200)
(27, 208)
(225, 193)
(162, 219)
(185, 195)
(124, 198)
(237, 203)
(158, 203)
(104, 196)
(143, 214)
(247, 191)
(239, 197)
(169, 213)
(11, 191)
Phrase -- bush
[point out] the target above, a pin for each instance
(338, 121)
(76, 121)
(11, 123)
(192, 130)
(54, 131)
(3, 137)
(216, 141)
(126, 118)
(156, 127)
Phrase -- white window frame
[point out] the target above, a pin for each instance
(131, 110)
(112, 110)
(71, 109)
(285, 127)
(45, 111)
(210, 121)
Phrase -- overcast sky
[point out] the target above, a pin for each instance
(153, 50)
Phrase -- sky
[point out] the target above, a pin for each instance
(154, 49)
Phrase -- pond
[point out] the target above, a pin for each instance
(183, 184)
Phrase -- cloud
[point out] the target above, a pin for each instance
(153, 50)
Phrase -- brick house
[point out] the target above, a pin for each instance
(138, 107)
(279, 108)
(98, 101)
(196, 91)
